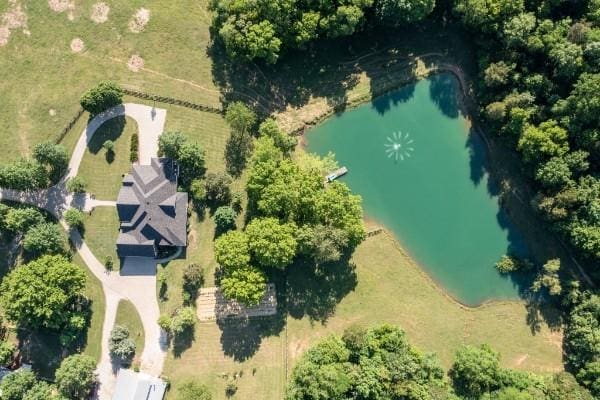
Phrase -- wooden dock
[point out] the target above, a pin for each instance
(336, 174)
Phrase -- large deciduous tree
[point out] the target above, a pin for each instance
(272, 244)
(76, 376)
(397, 13)
(43, 293)
(101, 97)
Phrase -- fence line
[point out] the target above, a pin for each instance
(171, 100)
(69, 125)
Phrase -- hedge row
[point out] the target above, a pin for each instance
(133, 154)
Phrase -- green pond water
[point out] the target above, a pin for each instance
(422, 174)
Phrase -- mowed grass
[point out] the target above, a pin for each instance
(103, 171)
(41, 79)
(101, 231)
(94, 292)
(128, 317)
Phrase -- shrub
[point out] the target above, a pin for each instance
(109, 146)
(76, 184)
(193, 278)
(225, 218)
(217, 188)
(164, 321)
(74, 218)
(184, 320)
(45, 238)
(21, 219)
(507, 264)
(120, 344)
(197, 191)
(76, 376)
(107, 94)
(192, 391)
(109, 263)
(7, 350)
(134, 147)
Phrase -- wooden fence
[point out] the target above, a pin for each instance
(171, 100)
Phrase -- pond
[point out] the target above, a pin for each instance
(423, 175)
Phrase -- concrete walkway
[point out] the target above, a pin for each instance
(139, 289)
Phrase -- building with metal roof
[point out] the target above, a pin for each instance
(138, 386)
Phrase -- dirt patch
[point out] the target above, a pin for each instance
(100, 12)
(60, 6)
(297, 347)
(52, 112)
(77, 45)
(14, 18)
(521, 359)
(4, 35)
(139, 20)
(135, 63)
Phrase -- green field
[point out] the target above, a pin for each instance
(128, 317)
(100, 234)
(102, 171)
(41, 80)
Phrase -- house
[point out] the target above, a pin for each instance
(138, 386)
(152, 213)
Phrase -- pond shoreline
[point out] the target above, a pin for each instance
(468, 108)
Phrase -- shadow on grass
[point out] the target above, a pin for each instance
(241, 337)
(183, 341)
(315, 292)
(328, 69)
(110, 130)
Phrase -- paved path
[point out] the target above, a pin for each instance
(139, 289)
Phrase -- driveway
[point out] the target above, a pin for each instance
(140, 289)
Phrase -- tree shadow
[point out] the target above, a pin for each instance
(444, 92)
(241, 337)
(109, 130)
(183, 341)
(315, 292)
(328, 69)
(109, 156)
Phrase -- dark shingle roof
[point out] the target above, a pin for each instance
(150, 209)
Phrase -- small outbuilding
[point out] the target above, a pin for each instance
(138, 386)
(152, 213)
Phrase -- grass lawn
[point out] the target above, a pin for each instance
(128, 317)
(42, 79)
(93, 291)
(102, 171)
(101, 231)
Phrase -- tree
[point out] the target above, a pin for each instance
(183, 321)
(15, 385)
(246, 285)
(74, 218)
(22, 219)
(271, 243)
(518, 29)
(45, 238)
(582, 333)
(23, 175)
(170, 143)
(497, 74)
(52, 156)
(7, 352)
(76, 184)
(225, 218)
(105, 95)
(543, 142)
(109, 147)
(475, 371)
(322, 243)
(549, 278)
(120, 344)
(41, 391)
(191, 163)
(193, 278)
(75, 378)
(488, 15)
(232, 250)
(197, 191)
(192, 390)
(284, 142)
(554, 174)
(589, 376)
(217, 188)
(339, 208)
(397, 13)
(240, 118)
(507, 264)
(43, 293)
